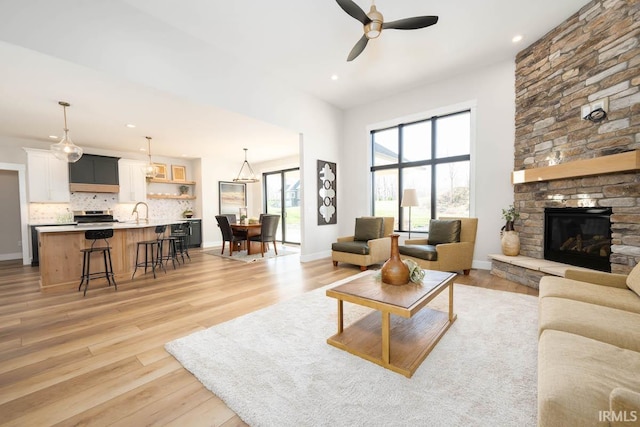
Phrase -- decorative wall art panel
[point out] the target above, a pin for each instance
(327, 196)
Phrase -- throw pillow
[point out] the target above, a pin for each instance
(367, 228)
(633, 279)
(444, 231)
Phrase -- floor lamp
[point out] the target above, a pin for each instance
(409, 199)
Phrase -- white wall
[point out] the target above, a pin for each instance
(491, 89)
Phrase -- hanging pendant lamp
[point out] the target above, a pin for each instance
(246, 174)
(149, 170)
(65, 149)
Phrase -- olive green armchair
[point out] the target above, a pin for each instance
(449, 247)
(369, 245)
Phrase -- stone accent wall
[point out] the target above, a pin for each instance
(593, 54)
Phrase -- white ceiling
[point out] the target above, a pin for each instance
(298, 42)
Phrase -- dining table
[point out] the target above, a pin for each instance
(250, 230)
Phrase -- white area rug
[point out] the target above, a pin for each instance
(273, 367)
(242, 255)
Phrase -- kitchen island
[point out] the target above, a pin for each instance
(61, 260)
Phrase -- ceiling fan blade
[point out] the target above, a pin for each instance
(411, 23)
(354, 10)
(358, 48)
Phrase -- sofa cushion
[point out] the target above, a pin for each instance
(444, 231)
(368, 228)
(355, 247)
(616, 327)
(426, 252)
(576, 375)
(633, 279)
(622, 299)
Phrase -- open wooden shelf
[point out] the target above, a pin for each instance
(169, 181)
(170, 196)
(621, 162)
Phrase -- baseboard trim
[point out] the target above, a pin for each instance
(10, 257)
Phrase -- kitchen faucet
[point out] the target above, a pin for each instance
(135, 211)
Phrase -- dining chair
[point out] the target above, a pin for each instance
(227, 233)
(268, 228)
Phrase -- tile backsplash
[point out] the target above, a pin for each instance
(159, 209)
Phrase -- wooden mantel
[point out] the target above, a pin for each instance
(621, 162)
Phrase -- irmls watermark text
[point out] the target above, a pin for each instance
(618, 416)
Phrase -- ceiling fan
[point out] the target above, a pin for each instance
(374, 24)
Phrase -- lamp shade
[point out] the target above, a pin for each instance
(409, 198)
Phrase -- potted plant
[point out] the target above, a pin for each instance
(188, 213)
(510, 240)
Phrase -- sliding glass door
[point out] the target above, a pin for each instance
(282, 197)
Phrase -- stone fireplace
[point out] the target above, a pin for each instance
(578, 236)
(593, 55)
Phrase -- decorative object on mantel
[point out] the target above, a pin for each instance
(65, 149)
(394, 271)
(621, 162)
(510, 240)
(327, 192)
(246, 174)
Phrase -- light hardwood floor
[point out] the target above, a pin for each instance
(99, 360)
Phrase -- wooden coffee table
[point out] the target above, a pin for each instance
(402, 341)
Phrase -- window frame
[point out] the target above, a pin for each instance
(432, 162)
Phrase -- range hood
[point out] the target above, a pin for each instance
(94, 174)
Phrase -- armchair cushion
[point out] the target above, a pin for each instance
(444, 231)
(354, 247)
(426, 252)
(368, 228)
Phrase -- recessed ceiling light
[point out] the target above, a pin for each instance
(516, 39)
(130, 126)
(53, 137)
(143, 149)
(184, 155)
(334, 77)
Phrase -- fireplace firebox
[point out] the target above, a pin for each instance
(578, 236)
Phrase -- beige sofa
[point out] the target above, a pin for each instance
(589, 349)
(365, 247)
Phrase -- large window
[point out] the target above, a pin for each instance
(433, 156)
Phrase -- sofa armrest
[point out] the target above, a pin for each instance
(598, 278)
(345, 239)
(626, 402)
(380, 249)
(416, 242)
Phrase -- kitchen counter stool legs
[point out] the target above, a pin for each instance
(97, 235)
(150, 250)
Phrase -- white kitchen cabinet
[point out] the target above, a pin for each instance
(133, 183)
(48, 177)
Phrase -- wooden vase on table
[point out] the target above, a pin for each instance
(394, 271)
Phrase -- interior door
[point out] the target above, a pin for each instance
(282, 189)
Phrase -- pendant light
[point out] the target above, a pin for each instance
(149, 170)
(65, 149)
(246, 174)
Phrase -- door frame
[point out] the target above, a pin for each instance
(282, 172)
(24, 207)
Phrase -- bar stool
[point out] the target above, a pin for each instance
(170, 243)
(182, 241)
(96, 235)
(151, 249)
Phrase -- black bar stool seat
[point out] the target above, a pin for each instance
(182, 239)
(168, 242)
(96, 235)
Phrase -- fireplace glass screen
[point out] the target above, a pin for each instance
(578, 236)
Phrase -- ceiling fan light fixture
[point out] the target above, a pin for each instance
(65, 149)
(246, 174)
(373, 28)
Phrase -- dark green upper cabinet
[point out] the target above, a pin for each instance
(92, 169)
